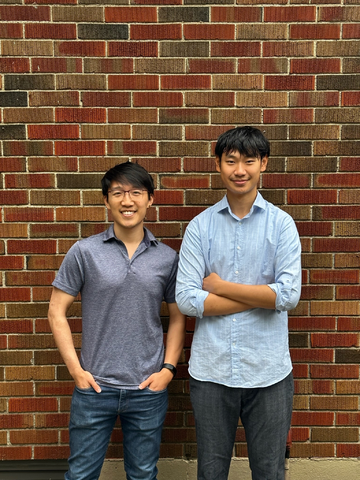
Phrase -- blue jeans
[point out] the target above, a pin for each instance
(265, 414)
(92, 419)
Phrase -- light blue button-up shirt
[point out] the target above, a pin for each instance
(248, 349)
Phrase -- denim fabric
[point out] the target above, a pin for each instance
(93, 416)
(265, 414)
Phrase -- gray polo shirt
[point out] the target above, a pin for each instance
(122, 336)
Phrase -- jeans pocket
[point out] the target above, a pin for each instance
(87, 390)
(148, 389)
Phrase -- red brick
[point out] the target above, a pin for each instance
(347, 450)
(179, 213)
(348, 293)
(337, 245)
(334, 371)
(11, 30)
(351, 31)
(16, 421)
(312, 418)
(334, 340)
(337, 180)
(33, 436)
(15, 453)
(212, 31)
(12, 165)
(339, 212)
(133, 82)
(53, 131)
(319, 31)
(50, 30)
(301, 197)
(307, 99)
(334, 276)
(288, 116)
(285, 82)
(348, 418)
(157, 99)
(231, 14)
(31, 246)
(28, 214)
(133, 49)
(81, 148)
(131, 14)
(289, 14)
(185, 82)
(81, 49)
(15, 294)
(80, 115)
(13, 197)
(311, 355)
(317, 292)
(312, 324)
(57, 65)
(235, 49)
(156, 32)
(311, 229)
(11, 262)
(285, 180)
(288, 49)
(29, 181)
(48, 452)
(212, 65)
(14, 65)
(33, 405)
(315, 65)
(106, 99)
(16, 326)
(25, 13)
(350, 98)
(185, 181)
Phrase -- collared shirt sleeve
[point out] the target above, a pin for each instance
(287, 265)
(190, 296)
(70, 277)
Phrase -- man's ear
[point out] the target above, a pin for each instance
(217, 164)
(106, 202)
(264, 162)
(150, 201)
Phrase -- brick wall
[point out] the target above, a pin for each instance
(85, 84)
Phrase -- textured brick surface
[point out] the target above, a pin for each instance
(86, 84)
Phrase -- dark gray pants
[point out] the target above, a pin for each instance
(265, 414)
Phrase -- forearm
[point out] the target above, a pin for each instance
(219, 305)
(175, 337)
(257, 296)
(64, 341)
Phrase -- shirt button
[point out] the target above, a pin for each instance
(237, 272)
(234, 319)
(239, 248)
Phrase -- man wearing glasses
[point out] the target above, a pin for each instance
(123, 275)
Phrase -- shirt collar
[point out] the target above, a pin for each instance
(259, 203)
(148, 236)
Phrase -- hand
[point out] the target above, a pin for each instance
(212, 283)
(157, 381)
(84, 379)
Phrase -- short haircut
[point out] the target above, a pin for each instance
(248, 141)
(128, 173)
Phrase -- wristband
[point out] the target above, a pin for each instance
(170, 367)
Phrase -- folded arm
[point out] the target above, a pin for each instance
(60, 302)
(191, 298)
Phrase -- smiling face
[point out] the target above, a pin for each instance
(240, 175)
(128, 211)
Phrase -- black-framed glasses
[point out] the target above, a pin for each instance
(134, 193)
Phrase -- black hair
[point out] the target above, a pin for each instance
(129, 173)
(248, 141)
